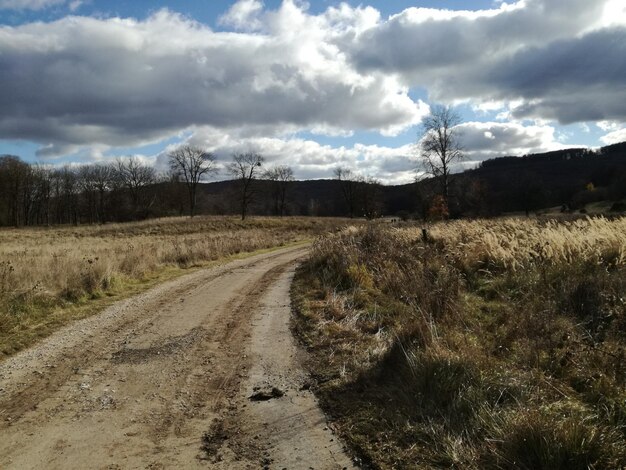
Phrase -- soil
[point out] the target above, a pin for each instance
(199, 372)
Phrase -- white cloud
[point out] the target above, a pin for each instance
(84, 83)
(614, 137)
(608, 125)
(557, 58)
(81, 81)
(483, 140)
(243, 15)
(75, 5)
(614, 13)
(29, 4)
(392, 165)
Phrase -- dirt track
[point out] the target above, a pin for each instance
(165, 380)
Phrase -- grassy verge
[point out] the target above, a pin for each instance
(489, 345)
(49, 277)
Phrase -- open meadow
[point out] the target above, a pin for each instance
(49, 276)
(485, 344)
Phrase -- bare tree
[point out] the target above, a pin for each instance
(440, 146)
(175, 192)
(135, 176)
(16, 173)
(69, 194)
(348, 182)
(245, 168)
(103, 175)
(87, 185)
(43, 193)
(280, 177)
(371, 197)
(192, 163)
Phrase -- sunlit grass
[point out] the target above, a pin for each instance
(492, 344)
(45, 273)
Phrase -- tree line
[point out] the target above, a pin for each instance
(129, 189)
(34, 194)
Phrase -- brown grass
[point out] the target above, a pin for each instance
(494, 344)
(49, 276)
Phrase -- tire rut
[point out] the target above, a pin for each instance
(154, 381)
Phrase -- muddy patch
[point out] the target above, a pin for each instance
(158, 351)
(265, 392)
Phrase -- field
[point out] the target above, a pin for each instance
(49, 276)
(480, 344)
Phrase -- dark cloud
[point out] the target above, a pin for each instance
(87, 83)
(540, 52)
(80, 81)
(574, 80)
(422, 43)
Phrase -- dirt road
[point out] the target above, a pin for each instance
(200, 372)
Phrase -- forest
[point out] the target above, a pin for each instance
(36, 194)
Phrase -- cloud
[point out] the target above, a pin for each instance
(311, 160)
(29, 4)
(557, 59)
(614, 137)
(426, 41)
(75, 5)
(572, 80)
(608, 125)
(81, 81)
(483, 140)
(392, 165)
(243, 15)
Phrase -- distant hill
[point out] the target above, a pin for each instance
(571, 178)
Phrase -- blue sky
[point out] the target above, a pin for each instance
(313, 85)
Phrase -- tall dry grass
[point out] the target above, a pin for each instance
(516, 244)
(46, 269)
(492, 344)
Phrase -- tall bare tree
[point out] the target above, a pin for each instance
(371, 197)
(348, 182)
(43, 192)
(245, 168)
(193, 164)
(103, 176)
(135, 176)
(440, 147)
(280, 177)
(16, 173)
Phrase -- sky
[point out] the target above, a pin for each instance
(313, 85)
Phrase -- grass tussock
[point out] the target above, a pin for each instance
(491, 344)
(46, 274)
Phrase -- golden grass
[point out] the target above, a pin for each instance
(493, 344)
(44, 270)
(520, 243)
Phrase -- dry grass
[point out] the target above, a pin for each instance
(516, 244)
(493, 344)
(46, 272)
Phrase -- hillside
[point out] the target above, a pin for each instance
(506, 184)
(571, 179)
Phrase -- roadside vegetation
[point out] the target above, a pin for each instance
(49, 276)
(484, 344)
